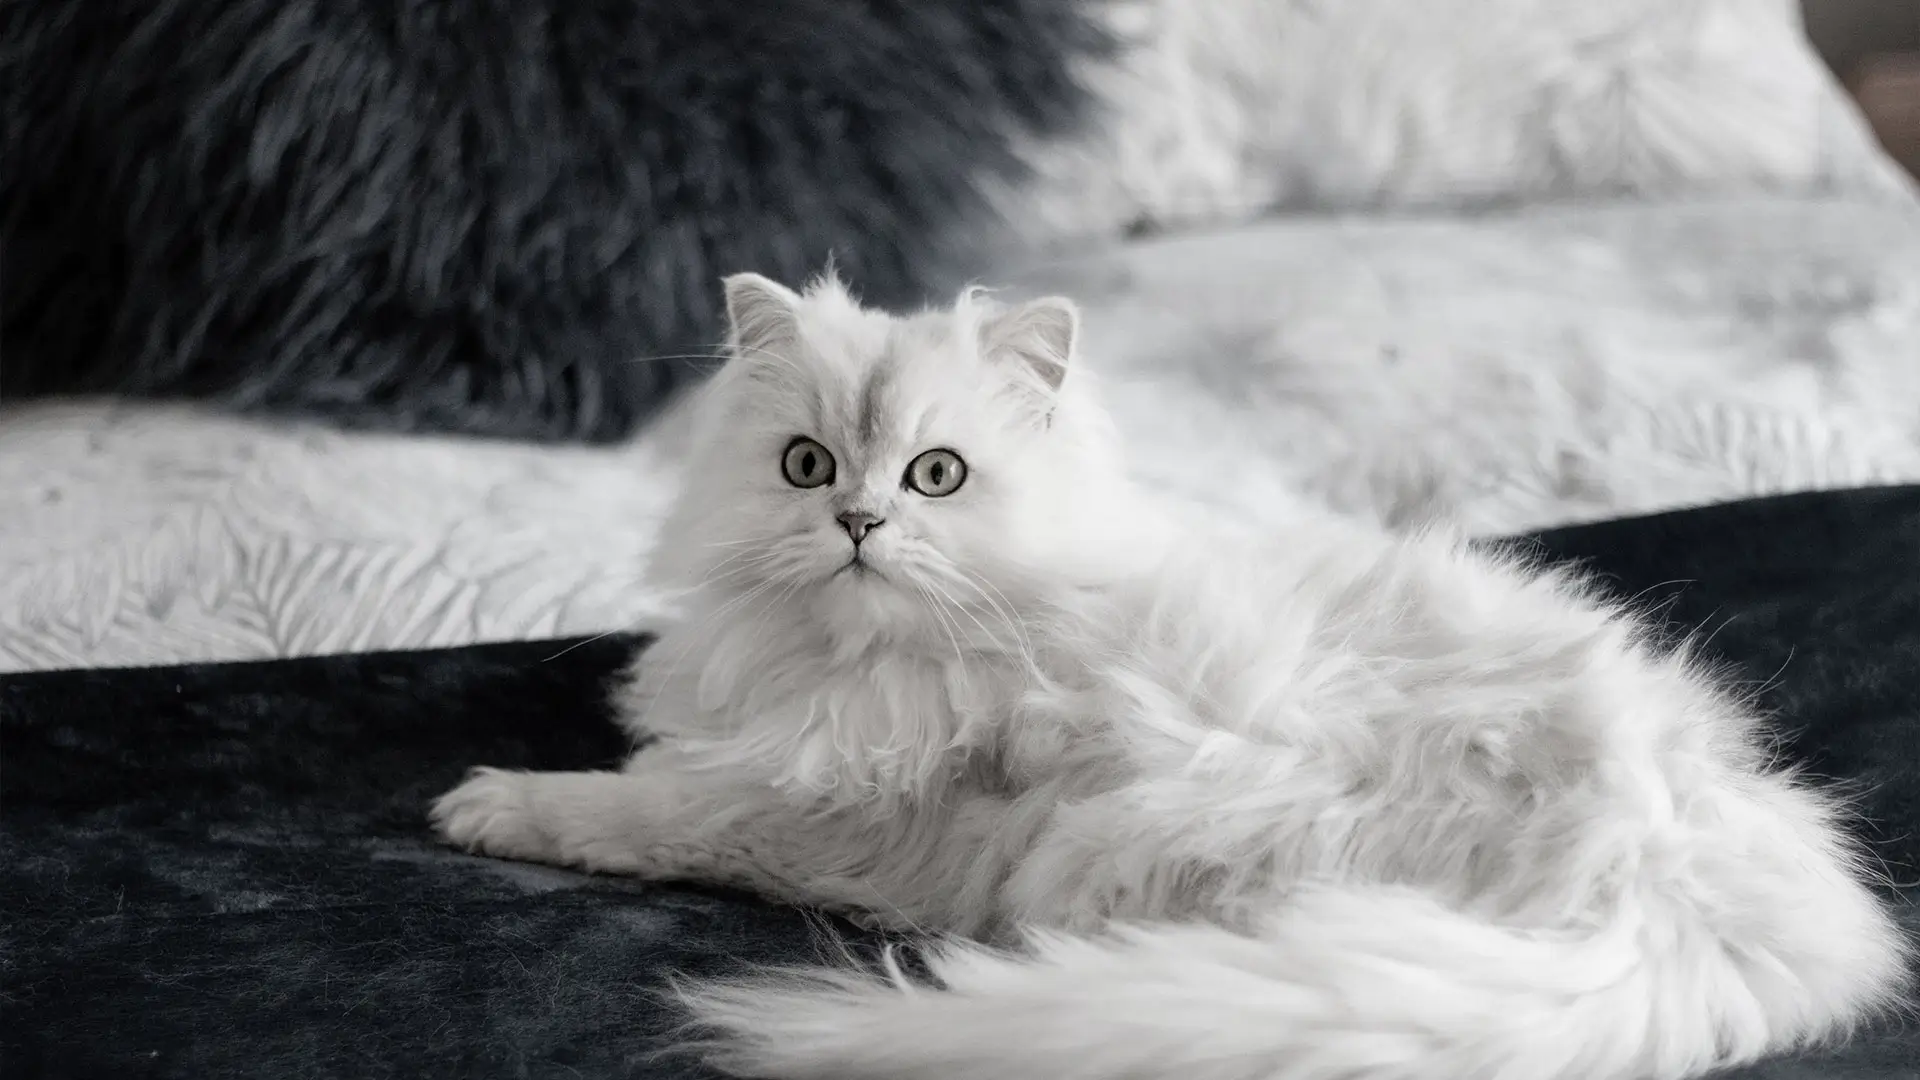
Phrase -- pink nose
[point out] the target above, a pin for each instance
(858, 524)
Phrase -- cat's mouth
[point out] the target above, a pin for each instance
(857, 566)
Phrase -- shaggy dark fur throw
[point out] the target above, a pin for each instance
(224, 870)
(488, 216)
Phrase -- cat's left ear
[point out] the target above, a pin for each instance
(1039, 333)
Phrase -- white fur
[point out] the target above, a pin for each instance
(1212, 804)
(1212, 112)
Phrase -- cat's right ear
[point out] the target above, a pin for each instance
(1039, 333)
(762, 315)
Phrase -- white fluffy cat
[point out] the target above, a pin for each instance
(1213, 806)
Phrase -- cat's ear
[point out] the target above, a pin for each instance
(1039, 333)
(762, 314)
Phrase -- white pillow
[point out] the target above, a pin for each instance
(1217, 110)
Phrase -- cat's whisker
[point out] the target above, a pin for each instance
(661, 358)
(766, 354)
(720, 353)
(772, 606)
(756, 350)
(580, 644)
(748, 560)
(946, 623)
(1021, 639)
(740, 543)
(1023, 648)
(693, 638)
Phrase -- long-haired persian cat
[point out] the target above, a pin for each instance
(1190, 803)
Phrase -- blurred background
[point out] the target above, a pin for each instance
(1874, 45)
(362, 324)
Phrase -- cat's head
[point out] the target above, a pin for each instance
(893, 475)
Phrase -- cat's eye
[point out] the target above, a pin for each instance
(807, 464)
(936, 473)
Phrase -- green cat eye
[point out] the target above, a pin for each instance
(936, 473)
(807, 464)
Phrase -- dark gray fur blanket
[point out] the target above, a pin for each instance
(506, 217)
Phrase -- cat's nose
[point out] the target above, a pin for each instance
(859, 523)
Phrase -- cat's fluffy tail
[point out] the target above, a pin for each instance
(1380, 984)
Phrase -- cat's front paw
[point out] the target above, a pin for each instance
(491, 813)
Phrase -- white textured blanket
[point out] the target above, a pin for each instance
(1506, 372)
